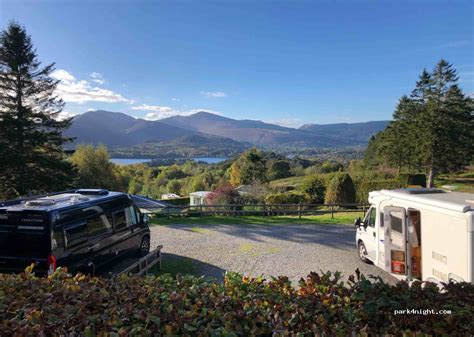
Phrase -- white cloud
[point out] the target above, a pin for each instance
(97, 77)
(175, 99)
(65, 114)
(159, 112)
(73, 90)
(63, 75)
(287, 122)
(216, 94)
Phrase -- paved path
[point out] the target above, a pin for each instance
(292, 250)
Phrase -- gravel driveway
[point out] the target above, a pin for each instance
(291, 250)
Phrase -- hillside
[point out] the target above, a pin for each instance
(115, 129)
(204, 131)
(355, 132)
(194, 145)
(253, 131)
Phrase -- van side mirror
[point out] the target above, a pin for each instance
(357, 222)
(146, 218)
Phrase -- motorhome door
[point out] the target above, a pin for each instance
(395, 240)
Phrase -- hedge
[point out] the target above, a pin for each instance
(161, 305)
(364, 185)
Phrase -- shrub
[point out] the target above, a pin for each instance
(286, 198)
(364, 185)
(322, 305)
(340, 190)
(223, 195)
(315, 188)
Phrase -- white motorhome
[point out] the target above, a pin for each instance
(425, 234)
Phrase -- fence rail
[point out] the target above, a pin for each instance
(258, 209)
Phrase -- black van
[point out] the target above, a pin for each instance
(80, 229)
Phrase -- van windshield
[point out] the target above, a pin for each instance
(24, 234)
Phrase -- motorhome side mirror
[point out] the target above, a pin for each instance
(357, 222)
(146, 218)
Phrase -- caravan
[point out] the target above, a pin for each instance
(424, 234)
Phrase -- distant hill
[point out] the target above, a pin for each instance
(205, 131)
(355, 132)
(115, 129)
(195, 145)
(253, 131)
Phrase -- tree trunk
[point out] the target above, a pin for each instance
(431, 177)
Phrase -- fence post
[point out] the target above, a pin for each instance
(200, 213)
(168, 211)
(332, 211)
(299, 210)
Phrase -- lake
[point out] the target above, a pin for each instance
(130, 161)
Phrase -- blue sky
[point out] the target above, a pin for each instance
(287, 62)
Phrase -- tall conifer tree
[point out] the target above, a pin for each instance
(31, 141)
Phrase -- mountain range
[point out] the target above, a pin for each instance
(118, 130)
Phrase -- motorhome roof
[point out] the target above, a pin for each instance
(456, 201)
(58, 200)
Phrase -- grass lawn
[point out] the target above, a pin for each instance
(463, 183)
(182, 266)
(339, 218)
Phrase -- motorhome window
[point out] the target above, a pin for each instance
(96, 226)
(372, 217)
(75, 234)
(120, 221)
(397, 223)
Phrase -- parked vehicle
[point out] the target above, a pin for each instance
(425, 234)
(81, 230)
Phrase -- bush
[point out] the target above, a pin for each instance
(408, 179)
(285, 198)
(242, 306)
(315, 188)
(364, 185)
(340, 190)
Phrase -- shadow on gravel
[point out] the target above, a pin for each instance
(170, 264)
(335, 236)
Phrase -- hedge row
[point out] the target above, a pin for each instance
(150, 306)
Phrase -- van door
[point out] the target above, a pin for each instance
(395, 240)
(368, 231)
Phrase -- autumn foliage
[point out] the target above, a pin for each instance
(149, 306)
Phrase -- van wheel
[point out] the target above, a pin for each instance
(144, 248)
(362, 252)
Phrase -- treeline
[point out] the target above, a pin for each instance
(432, 129)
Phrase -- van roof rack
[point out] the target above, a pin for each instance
(91, 191)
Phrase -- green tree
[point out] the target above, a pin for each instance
(340, 189)
(248, 168)
(315, 189)
(31, 141)
(432, 129)
(94, 167)
(279, 169)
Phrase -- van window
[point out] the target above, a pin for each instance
(132, 216)
(372, 217)
(120, 221)
(75, 234)
(96, 226)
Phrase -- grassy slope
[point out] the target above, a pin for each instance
(339, 218)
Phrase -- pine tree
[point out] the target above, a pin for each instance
(30, 132)
(432, 129)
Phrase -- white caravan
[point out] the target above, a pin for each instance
(425, 234)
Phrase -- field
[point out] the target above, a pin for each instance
(339, 218)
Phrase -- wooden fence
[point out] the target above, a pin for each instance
(259, 209)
